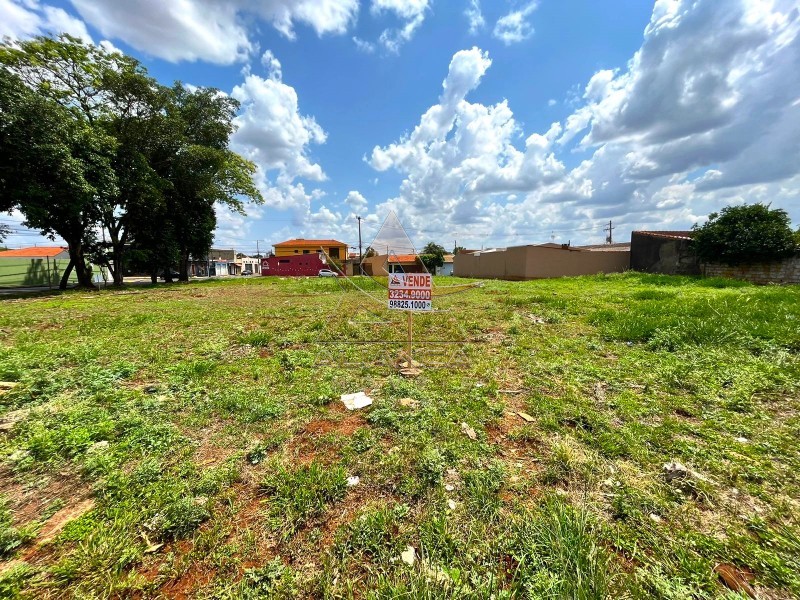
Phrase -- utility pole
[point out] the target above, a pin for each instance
(610, 229)
(359, 241)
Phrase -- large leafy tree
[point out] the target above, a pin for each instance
(142, 133)
(183, 169)
(201, 171)
(55, 168)
(80, 90)
(746, 233)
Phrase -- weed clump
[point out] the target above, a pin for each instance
(375, 534)
(295, 497)
(558, 555)
(482, 487)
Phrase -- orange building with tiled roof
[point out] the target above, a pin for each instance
(333, 248)
(33, 266)
(36, 252)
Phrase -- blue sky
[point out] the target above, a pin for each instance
(492, 123)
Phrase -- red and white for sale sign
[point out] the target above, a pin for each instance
(410, 291)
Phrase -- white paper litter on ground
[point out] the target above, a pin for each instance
(409, 556)
(355, 401)
(354, 480)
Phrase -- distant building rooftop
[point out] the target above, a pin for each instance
(675, 235)
(402, 258)
(620, 247)
(34, 252)
(302, 242)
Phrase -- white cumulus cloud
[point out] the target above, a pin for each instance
(411, 12)
(474, 16)
(21, 19)
(515, 26)
(356, 201)
(273, 133)
(209, 30)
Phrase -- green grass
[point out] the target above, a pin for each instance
(204, 421)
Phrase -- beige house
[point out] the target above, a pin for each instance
(381, 265)
(542, 261)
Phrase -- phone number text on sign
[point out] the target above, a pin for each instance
(410, 291)
(406, 294)
(410, 304)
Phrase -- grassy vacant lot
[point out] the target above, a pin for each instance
(188, 441)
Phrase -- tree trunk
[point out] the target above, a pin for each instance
(65, 276)
(154, 276)
(116, 255)
(168, 274)
(83, 272)
(183, 268)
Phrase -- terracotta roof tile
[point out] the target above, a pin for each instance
(680, 235)
(33, 252)
(303, 243)
(402, 258)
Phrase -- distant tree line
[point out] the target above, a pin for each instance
(94, 150)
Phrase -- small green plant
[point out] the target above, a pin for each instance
(260, 450)
(297, 496)
(180, 516)
(363, 439)
(374, 534)
(273, 580)
(258, 339)
(482, 487)
(561, 465)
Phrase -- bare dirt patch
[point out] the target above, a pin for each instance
(56, 523)
(198, 576)
(311, 444)
(248, 533)
(28, 501)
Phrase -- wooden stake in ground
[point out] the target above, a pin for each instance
(410, 337)
(409, 368)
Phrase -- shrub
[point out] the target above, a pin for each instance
(747, 233)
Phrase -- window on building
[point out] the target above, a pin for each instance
(334, 252)
(306, 251)
(296, 251)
